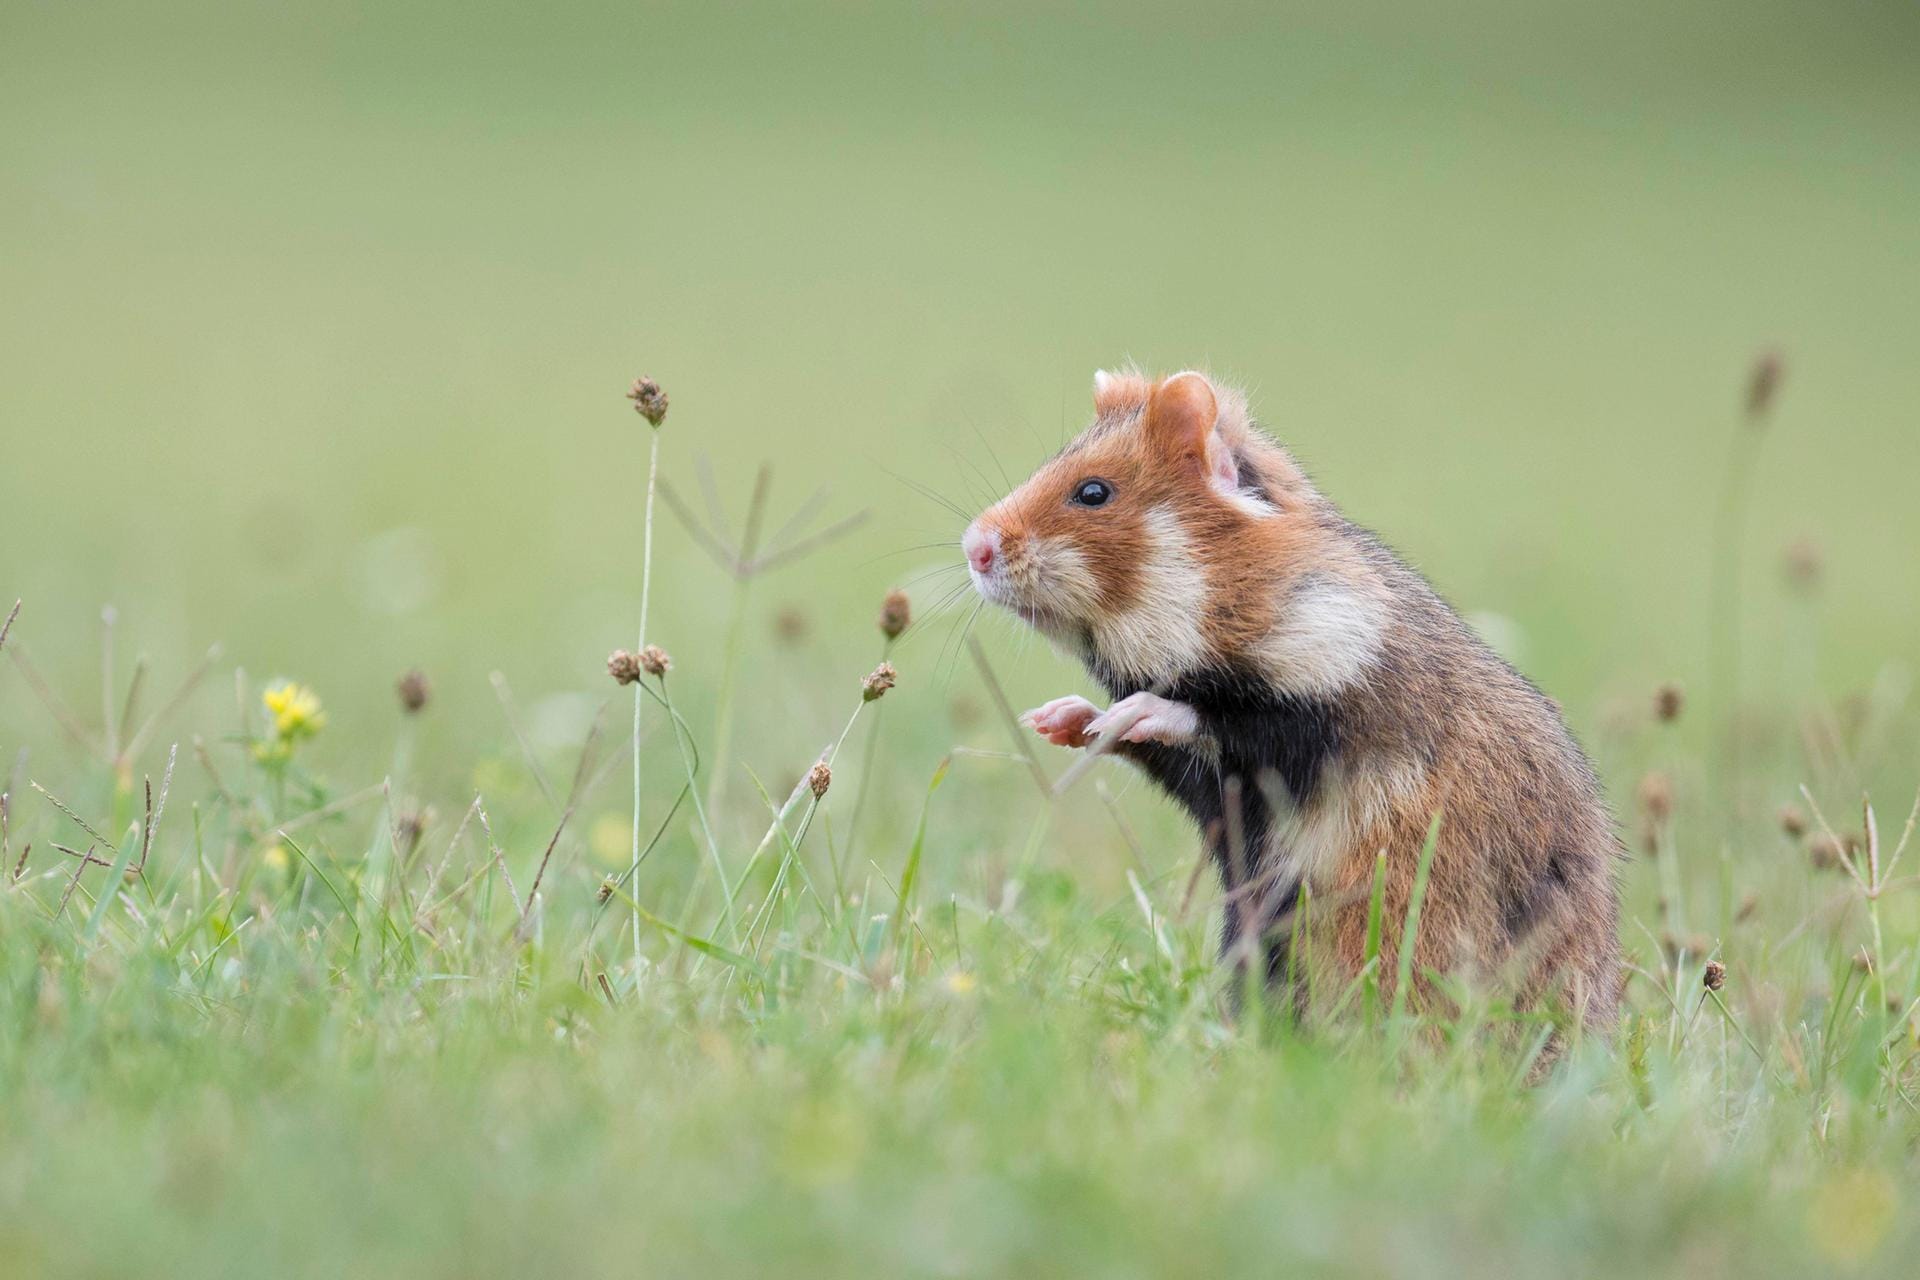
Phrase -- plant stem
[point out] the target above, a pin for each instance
(723, 704)
(646, 582)
(1730, 523)
(866, 775)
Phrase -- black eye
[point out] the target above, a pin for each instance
(1092, 493)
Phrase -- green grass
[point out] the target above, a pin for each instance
(315, 330)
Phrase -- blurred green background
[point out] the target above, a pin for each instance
(317, 318)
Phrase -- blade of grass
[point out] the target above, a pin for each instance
(1371, 963)
(912, 873)
(1410, 931)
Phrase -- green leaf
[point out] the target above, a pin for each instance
(912, 873)
(115, 878)
(704, 946)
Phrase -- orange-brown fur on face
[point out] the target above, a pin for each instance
(1341, 703)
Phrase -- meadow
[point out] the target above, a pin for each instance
(321, 948)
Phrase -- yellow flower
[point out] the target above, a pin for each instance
(276, 857)
(295, 709)
(960, 982)
(609, 840)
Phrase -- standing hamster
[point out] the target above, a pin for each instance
(1310, 701)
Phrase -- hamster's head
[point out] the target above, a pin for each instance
(1141, 545)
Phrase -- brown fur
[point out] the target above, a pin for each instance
(1216, 563)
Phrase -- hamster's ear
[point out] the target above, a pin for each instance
(1122, 392)
(1182, 417)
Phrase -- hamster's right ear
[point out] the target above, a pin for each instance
(1123, 392)
(1183, 417)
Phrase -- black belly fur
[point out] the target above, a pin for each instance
(1269, 744)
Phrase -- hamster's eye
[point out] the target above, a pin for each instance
(1092, 493)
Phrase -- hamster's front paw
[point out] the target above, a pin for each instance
(1063, 722)
(1148, 717)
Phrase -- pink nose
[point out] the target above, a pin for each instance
(981, 546)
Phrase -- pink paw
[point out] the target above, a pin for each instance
(1063, 722)
(1147, 717)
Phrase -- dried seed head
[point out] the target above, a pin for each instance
(1762, 384)
(654, 660)
(819, 778)
(790, 625)
(1667, 701)
(877, 682)
(607, 887)
(624, 667)
(1803, 563)
(649, 401)
(1793, 820)
(1863, 960)
(414, 691)
(1656, 796)
(408, 828)
(896, 611)
(1715, 976)
(1749, 906)
(1826, 852)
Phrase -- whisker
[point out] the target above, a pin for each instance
(935, 572)
(951, 661)
(907, 551)
(930, 494)
(987, 444)
(985, 484)
(939, 609)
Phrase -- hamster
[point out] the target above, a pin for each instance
(1311, 702)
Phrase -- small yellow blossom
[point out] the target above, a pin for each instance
(960, 982)
(609, 839)
(295, 709)
(276, 857)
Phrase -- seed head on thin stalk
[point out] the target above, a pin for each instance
(1763, 383)
(822, 774)
(650, 402)
(896, 614)
(623, 666)
(654, 660)
(1729, 535)
(1802, 562)
(413, 690)
(881, 679)
(1869, 869)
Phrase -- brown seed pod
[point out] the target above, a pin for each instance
(878, 681)
(896, 612)
(624, 667)
(1793, 820)
(414, 690)
(819, 778)
(654, 660)
(1803, 563)
(1826, 852)
(1715, 976)
(790, 625)
(649, 401)
(1763, 383)
(1656, 796)
(1667, 702)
